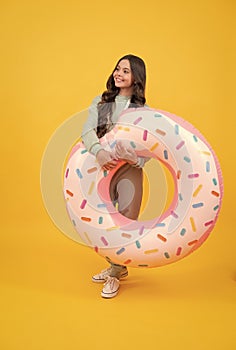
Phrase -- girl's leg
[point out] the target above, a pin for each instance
(126, 189)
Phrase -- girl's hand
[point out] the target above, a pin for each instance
(126, 154)
(106, 159)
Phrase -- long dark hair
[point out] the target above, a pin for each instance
(105, 106)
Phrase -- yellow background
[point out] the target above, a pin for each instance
(55, 57)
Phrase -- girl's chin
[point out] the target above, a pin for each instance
(121, 86)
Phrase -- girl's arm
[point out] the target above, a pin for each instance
(129, 155)
(91, 141)
(89, 135)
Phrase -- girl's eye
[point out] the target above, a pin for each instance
(126, 71)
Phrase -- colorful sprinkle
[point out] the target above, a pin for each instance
(180, 197)
(123, 128)
(160, 224)
(205, 152)
(182, 232)
(216, 194)
(96, 249)
(137, 120)
(192, 242)
(178, 174)
(150, 251)
(208, 223)
(216, 207)
(179, 250)
(92, 170)
(141, 230)
(193, 224)
(127, 262)
(83, 204)
(74, 223)
(214, 181)
(167, 255)
(180, 145)
(187, 159)
(192, 176)
(120, 251)
(195, 138)
(197, 205)
(145, 133)
(133, 144)
(100, 220)
(157, 115)
(165, 154)
(162, 238)
(84, 218)
(138, 245)
(160, 132)
(67, 172)
(84, 151)
(112, 228)
(101, 205)
(198, 189)
(154, 146)
(78, 172)
(105, 173)
(174, 214)
(113, 144)
(69, 193)
(91, 187)
(126, 235)
(143, 265)
(104, 241)
(207, 167)
(177, 129)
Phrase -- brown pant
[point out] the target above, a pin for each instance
(126, 189)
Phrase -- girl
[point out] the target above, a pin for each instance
(125, 89)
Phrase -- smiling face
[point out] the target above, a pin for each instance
(123, 77)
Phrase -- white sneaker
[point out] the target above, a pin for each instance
(111, 287)
(104, 274)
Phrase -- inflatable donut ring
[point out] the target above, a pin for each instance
(192, 214)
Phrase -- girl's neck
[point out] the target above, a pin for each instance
(126, 92)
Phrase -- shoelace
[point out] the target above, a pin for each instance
(104, 272)
(110, 280)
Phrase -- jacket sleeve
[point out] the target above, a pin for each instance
(89, 135)
(141, 162)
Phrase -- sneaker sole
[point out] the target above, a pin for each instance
(103, 280)
(110, 295)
